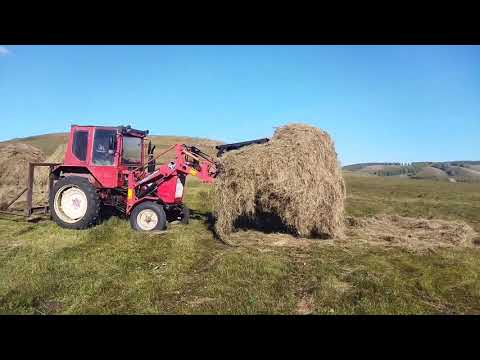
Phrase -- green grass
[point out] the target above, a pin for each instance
(112, 270)
(419, 198)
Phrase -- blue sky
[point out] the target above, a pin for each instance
(380, 103)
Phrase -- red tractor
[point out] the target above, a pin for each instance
(114, 167)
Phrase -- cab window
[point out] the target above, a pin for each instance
(104, 147)
(80, 143)
(132, 151)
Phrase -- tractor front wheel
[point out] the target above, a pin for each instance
(75, 203)
(148, 216)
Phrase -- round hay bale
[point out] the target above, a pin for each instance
(294, 179)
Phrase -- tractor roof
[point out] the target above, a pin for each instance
(124, 130)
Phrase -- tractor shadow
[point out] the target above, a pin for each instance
(107, 212)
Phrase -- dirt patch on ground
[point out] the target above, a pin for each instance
(197, 301)
(306, 305)
(293, 183)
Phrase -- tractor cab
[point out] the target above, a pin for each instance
(105, 152)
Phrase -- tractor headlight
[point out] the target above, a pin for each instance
(179, 189)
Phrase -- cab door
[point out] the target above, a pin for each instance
(104, 157)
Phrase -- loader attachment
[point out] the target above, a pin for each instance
(235, 146)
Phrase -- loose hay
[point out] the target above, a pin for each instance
(259, 240)
(413, 233)
(14, 159)
(389, 231)
(294, 179)
(42, 173)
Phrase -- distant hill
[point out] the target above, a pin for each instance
(474, 167)
(461, 171)
(463, 174)
(430, 172)
(384, 170)
(360, 166)
(48, 143)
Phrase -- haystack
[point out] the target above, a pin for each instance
(14, 159)
(294, 179)
(42, 173)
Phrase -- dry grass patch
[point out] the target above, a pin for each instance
(412, 233)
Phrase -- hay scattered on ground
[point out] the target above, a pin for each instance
(14, 159)
(294, 179)
(414, 233)
(382, 230)
(260, 240)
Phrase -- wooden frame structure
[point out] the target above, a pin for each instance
(30, 209)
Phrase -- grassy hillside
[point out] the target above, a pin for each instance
(111, 269)
(49, 143)
(461, 171)
(384, 170)
(429, 172)
(474, 167)
(463, 174)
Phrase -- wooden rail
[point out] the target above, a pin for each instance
(30, 182)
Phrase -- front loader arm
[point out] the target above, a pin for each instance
(189, 161)
(197, 163)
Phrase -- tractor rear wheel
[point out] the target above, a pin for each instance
(75, 203)
(148, 216)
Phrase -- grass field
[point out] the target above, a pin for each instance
(112, 270)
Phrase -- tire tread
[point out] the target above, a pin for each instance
(93, 211)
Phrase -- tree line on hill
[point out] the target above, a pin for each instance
(409, 169)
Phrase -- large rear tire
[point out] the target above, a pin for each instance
(148, 216)
(75, 203)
